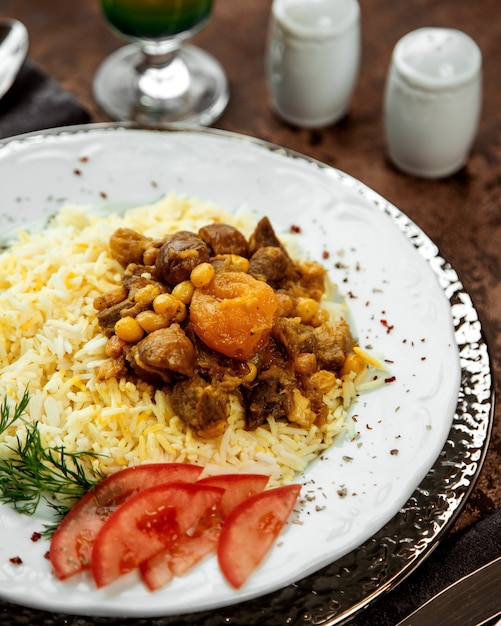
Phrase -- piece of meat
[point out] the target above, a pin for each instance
(202, 405)
(165, 353)
(229, 263)
(263, 236)
(297, 338)
(273, 265)
(272, 394)
(138, 276)
(211, 364)
(128, 246)
(334, 342)
(111, 297)
(179, 255)
(109, 316)
(224, 239)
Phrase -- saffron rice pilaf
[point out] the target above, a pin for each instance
(51, 344)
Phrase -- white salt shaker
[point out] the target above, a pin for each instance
(432, 101)
(312, 59)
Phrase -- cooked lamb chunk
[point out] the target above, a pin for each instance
(111, 297)
(333, 344)
(224, 239)
(271, 395)
(165, 353)
(263, 236)
(110, 315)
(272, 265)
(297, 338)
(202, 405)
(128, 246)
(179, 255)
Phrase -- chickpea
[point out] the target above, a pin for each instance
(202, 274)
(306, 309)
(128, 329)
(169, 307)
(146, 294)
(151, 321)
(183, 291)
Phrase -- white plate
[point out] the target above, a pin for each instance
(398, 306)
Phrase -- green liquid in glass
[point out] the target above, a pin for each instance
(152, 19)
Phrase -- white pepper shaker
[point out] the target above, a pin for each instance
(432, 101)
(312, 59)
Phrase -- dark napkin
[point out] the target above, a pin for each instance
(36, 101)
(458, 555)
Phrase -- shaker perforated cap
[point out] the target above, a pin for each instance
(437, 58)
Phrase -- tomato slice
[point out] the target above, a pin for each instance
(250, 530)
(148, 522)
(188, 550)
(182, 554)
(237, 488)
(71, 545)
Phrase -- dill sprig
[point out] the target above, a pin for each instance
(30, 472)
(5, 414)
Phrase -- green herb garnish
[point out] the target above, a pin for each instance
(31, 472)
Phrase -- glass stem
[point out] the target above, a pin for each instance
(162, 79)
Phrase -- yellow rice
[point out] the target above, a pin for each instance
(51, 344)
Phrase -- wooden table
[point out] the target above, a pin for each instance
(462, 214)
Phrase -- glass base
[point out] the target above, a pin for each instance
(191, 90)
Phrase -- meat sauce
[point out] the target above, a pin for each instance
(212, 316)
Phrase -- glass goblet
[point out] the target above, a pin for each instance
(159, 79)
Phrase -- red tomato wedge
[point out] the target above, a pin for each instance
(188, 550)
(156, 572)
(71, 545)
(251, 528)
(193, 548)
(148, 522)
(182, 554)
(237, 488)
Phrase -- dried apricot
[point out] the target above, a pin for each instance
(234, 314)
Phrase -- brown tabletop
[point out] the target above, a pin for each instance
(462, 214)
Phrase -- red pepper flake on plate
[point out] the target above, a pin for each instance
(389, 327)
